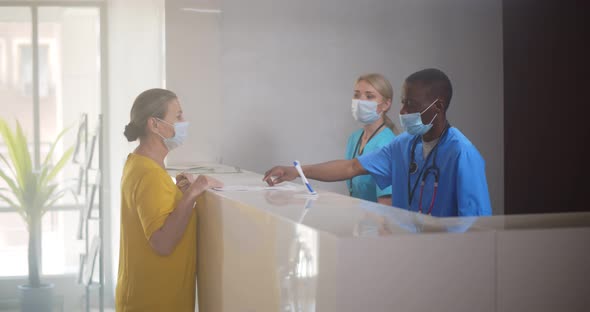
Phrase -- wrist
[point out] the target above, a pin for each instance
(196, 189)
(305, 170)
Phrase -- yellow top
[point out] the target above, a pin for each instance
(149, 282)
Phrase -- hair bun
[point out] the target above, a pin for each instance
(131, 132)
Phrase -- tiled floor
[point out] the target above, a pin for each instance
(93, 310)
(12, 305)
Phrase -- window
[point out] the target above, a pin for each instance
(2, 62)
(25, 70)
(13, 244)
(69, 84)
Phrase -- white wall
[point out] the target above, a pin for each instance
(136, 61)
(194, 35)
(288, 67)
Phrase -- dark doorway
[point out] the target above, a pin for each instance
(546, 95)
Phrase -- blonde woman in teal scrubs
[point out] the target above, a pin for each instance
(370, 103)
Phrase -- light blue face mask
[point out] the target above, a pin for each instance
(180, 134)
(365, 111)
(412, 123)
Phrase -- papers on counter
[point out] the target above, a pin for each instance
(251, 188)
(204, 169)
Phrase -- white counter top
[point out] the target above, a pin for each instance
(281, 250)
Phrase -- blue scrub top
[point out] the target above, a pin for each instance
(462, 187)
(364, 186)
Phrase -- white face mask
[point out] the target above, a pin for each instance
(412, 123)
(180, 134)
(365, 111)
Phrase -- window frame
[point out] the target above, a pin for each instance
(35, 40)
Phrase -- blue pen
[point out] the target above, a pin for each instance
(303, 178)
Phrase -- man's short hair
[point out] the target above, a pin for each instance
(438, 83)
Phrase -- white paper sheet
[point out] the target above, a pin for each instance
(251, 188)
(204, 169)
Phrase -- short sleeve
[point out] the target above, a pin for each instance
(349, 147)
(472, 188)
(348, 155)
(382, 140)
(383, 192)
(378, 164)
(155, 198)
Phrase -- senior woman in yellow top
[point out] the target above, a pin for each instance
(157, 261)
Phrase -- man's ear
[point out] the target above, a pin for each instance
(440, 105)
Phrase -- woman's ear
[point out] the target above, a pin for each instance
(152, 124)
(386, 105)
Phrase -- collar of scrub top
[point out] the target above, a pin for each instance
(424, 172)
(356, 148)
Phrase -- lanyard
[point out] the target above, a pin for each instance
(424, 172)
(356, 148)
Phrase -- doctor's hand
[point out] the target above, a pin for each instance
(279, 174)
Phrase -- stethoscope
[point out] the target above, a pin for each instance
(356, 148)
(424, 172)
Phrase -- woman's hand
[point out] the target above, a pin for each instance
(184, 181)
(203, 183)
(165, 239)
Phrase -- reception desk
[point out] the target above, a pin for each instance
(281, 250)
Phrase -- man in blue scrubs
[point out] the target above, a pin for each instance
(433, 168)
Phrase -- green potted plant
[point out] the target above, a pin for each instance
(31, 191)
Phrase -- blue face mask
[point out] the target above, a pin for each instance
(180, 134)
(412, 123)
(365, 111)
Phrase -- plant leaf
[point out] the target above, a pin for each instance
(16, 143)
(58, 194)
(60, 164)
(45, 195)
(11, 144)
(11, 183)
(8, 201)
(51, 202)
(31, 190)
(24, 149)
(32, 194)
(15, 206)
(8, 164)
(50, 154)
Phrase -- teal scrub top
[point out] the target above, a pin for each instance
(364, 186)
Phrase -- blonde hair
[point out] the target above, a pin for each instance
(150, 103)
(383, 86)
